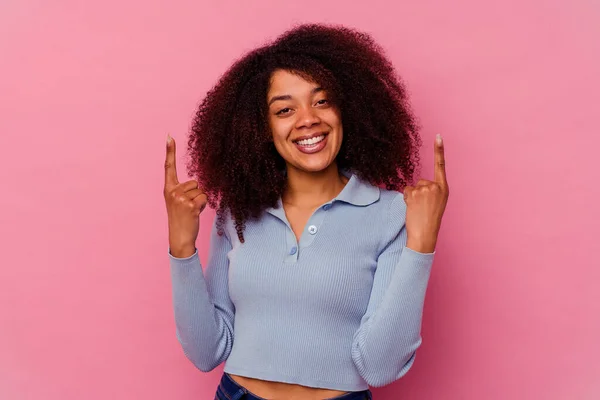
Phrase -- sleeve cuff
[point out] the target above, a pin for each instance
(418, 252)
(417, 258)
(183, 259)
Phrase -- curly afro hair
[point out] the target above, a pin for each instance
(230, 147)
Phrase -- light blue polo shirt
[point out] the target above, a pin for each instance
(339, 309)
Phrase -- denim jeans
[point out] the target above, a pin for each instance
(230, 390)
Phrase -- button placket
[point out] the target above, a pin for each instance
(312, 227)
(292, 246)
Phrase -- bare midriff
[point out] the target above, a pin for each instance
(284, 391)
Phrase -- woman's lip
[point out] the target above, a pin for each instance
(311, 150)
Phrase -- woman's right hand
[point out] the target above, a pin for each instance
(185, 201)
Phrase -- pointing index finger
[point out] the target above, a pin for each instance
(440, 161)
(170, 167)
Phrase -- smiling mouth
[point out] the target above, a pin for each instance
(312, 141)
(312, 145)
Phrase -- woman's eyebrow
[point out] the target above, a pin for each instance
(276, 98)
(288, 97)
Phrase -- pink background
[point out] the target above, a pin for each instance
(89, 91)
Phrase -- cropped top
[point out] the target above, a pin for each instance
(340, 308)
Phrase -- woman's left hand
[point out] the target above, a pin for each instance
(425, 204)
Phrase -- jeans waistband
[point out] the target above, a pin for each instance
(230, 390)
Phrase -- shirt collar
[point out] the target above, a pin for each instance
(356, 192)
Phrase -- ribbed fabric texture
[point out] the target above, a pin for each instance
(339, 309)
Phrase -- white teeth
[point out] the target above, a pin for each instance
(311, 141)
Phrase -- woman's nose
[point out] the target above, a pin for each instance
(307, 117)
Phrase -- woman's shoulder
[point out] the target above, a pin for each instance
(227, 223)
(391, 199)
(392, 205)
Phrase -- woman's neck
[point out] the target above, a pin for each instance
(311, 189)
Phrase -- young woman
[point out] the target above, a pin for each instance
(318, 265)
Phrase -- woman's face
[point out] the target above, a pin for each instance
(306, 127)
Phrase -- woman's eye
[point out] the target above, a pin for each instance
(283, 111)
(323, 101)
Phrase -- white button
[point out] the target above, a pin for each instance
(293, 250)
(312, 229)
(326, 207)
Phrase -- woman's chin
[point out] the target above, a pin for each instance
(313, 166)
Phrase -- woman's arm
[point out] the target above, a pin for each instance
(204, 313)
(385, 344)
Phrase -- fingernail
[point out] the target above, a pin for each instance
(438, 138)
(168, 138)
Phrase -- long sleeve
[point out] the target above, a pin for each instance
(204, 313)
(385, 344)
